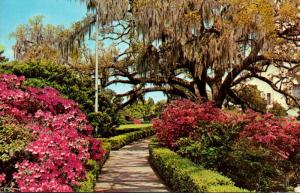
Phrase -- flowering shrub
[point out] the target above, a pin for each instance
(2, 179)
(60, 144)
(281, 135)
(234, 144)
(180, 119)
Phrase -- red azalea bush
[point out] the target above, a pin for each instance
(180, 119)
(280, 135)
(234, 143)
(61, 137)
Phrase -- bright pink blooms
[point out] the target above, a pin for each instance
(180, 119)
(2, 179)
(61, 142)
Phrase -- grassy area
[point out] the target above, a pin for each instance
(133, 126)
(121, 140)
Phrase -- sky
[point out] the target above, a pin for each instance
(58, 12)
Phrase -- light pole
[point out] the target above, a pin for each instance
(97, 70)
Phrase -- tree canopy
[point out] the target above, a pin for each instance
(197, 48)
(37, 42)
(191, 48)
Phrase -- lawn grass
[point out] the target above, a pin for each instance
(133, 126)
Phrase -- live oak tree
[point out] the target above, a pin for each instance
(197, 48)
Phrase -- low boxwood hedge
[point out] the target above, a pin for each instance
(119, 141)
(182, 175)
(94, 168)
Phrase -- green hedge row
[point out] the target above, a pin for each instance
(119, 141)
(184, 176)
(94, 168)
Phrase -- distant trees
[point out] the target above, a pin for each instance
(143, 109)
(278, 110)
(2, 58)
(36, 41)
(251, 98)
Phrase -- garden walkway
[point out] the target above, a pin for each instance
(128, 170)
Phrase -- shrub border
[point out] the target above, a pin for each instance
(182, 175)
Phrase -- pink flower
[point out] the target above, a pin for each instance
(61, 141)
(2, 178)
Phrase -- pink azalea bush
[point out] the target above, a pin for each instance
(61, 137)
(2, 178)
(181, 117)
(257, 151)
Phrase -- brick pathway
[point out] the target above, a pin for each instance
(128, 170)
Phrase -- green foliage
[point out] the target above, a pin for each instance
(13, 140)
(251, 97)
(88, 184)
(146, 110)
(119, 141)
(218, 146)
(209, 143)
(2, 58)
(278, 110)
(184, 176)
(267, 173)
(94, 169)
(73, 85)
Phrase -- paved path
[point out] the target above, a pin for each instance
(128, 170)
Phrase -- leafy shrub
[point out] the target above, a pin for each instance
(254, 167)
(180, 119)
(267, 146)
(278, 110)
(60, 144)
(72, 84)
(185, 176)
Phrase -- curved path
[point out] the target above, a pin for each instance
(128, 170)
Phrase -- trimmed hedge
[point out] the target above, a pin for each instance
(120, 141)
(94, 169)
(184, 176)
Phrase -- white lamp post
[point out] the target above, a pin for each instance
(97, 69)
